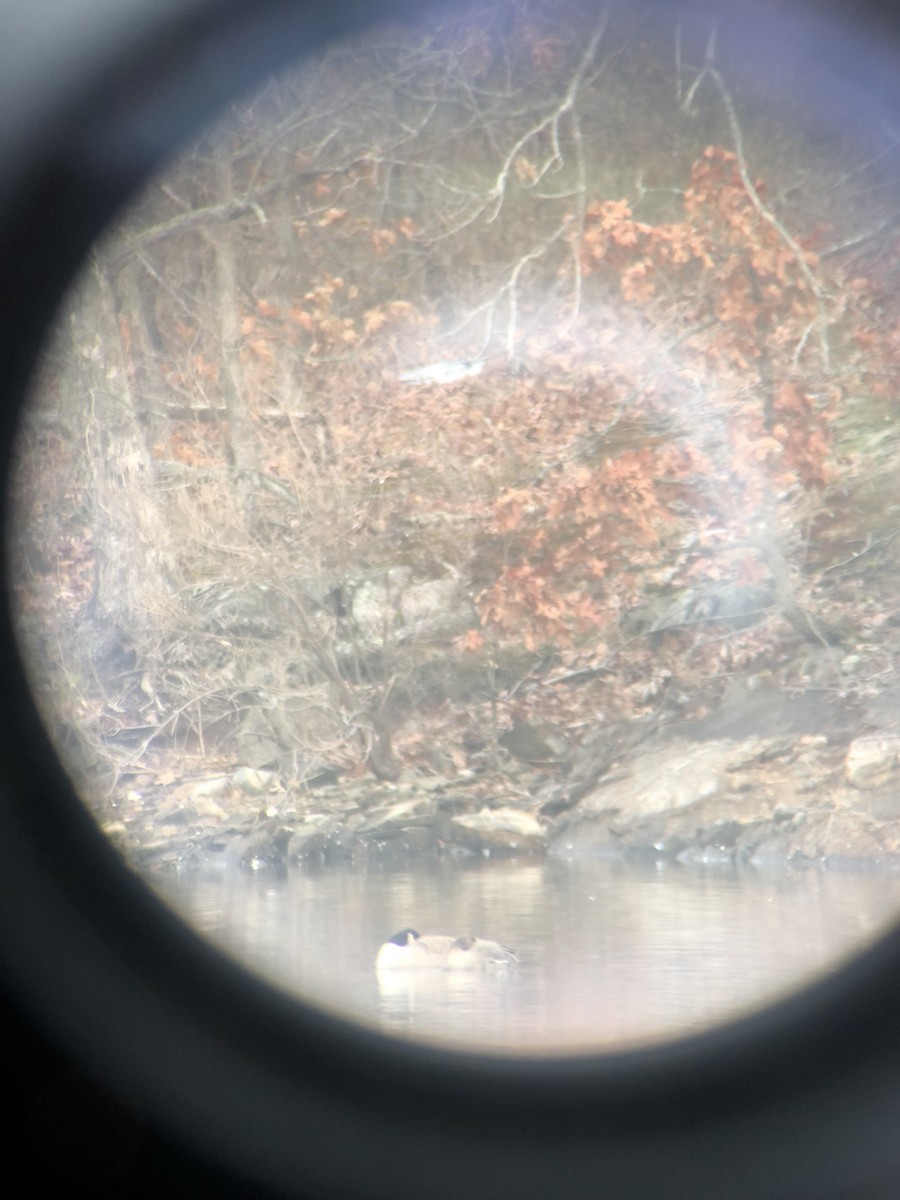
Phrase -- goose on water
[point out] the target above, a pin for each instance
(409, 950)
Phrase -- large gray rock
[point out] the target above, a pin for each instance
(500, 831)
(760, 799)
(874, 762)
(669, 778)
(393, 605)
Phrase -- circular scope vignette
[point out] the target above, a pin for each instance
(456, 498)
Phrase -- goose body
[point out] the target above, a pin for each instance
(478, 954)
(411, 951)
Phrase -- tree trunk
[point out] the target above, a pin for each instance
(135, 560)
(241, 441)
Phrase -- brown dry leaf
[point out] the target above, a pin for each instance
(261, 349)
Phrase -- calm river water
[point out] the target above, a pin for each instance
(610, 954)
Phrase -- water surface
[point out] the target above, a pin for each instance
(610, 954)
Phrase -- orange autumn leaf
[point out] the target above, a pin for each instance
(471, 642)
(302, 318)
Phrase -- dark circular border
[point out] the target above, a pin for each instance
(800, 1100)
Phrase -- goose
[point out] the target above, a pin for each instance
(409, 950)
(477, 954)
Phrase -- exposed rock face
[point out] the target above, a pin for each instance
(665, 779)
(500, 830)
(874, 762)
(759, 800)
(396, 605)
(670, 801)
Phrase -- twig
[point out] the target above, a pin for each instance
(551, 121)
(762, 211)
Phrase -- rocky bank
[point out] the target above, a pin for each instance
(771, 779)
